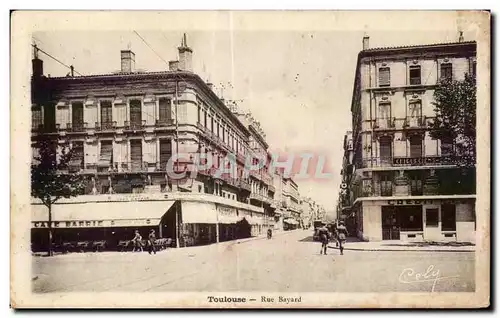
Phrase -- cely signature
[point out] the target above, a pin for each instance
(410, 276)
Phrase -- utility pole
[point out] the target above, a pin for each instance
(177, 244)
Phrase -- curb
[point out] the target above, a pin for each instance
(400, 250)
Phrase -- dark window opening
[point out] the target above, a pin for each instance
(448, 217)
(415, 75)
(77, 116)
(385, 149)
(106, 115)
(446, 71)
(410, 218)
(165, 110)
(106, 155)
(386, 184)
(416, 146)
(416, 182)
(136, 154)
(165, 153)
(432, 217)
(135, 113)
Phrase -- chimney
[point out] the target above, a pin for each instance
(461, 36)
(128, 61)
(173, 65)
(185, 56)
(37, 64)
(366, 42)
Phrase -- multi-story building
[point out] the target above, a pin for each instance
(280, 211)
(290, 200)
(124, 128)
(404, 184)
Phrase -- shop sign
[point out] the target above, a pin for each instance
(69, 224)
(421, 202)
(421, 161)
(226, 211)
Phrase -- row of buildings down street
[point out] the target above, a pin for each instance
(124, 128)
(398, 183)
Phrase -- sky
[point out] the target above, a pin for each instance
(297, 84)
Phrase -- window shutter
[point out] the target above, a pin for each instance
(384, 76)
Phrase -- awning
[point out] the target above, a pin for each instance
(199, 212)
(229, 219)
(101, 214)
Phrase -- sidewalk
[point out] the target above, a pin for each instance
(400, 246)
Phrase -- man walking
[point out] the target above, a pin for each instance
(341, 236)
(324, 237)
(137, 241)
(151, 242)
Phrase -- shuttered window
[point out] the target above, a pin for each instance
(36, 118)
(106, 114)
(136, 154)
(135, 113)
(384, 76)
(165, 152)
(165, 109)
(106, 155)
(77, 115)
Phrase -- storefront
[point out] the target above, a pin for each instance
(437, 219)
(290, 224)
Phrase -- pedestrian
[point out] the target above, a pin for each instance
(324, 237)
(341, 236)
(269, 233)
(137, 241)
(151, 242)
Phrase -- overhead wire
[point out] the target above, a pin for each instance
(55, 59)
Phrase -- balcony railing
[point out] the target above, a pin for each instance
(243, 184)
(257, 196)
(136, 125)
(105, 126)
(415, 122)
(164, 122)
(271, 188)
(76, 127)
(385, 123)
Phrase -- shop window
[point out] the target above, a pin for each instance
(410, 218)
(432, 217)
(448, 217)
(415, 75)
(384, 76)
(446, 71)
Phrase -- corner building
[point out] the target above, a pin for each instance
(124, 128)
(405, 185)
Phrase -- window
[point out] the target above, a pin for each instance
(474, 69)
(385, 149)
(416, 146)
(135, 113)
(384, 76)
(36, 118)
(448, 217)
(386, 184)
(136, 154)
(165, 110)
(431, 217)
(415, 75)
(106, 155)
(416, 182)
(205, 118)
(384, 115)
(446, 71)
(446, 147)
(415, 109)
(106, 115)
(77, 158)
(165, 153)
(77, 116)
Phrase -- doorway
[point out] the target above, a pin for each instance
(390, 223)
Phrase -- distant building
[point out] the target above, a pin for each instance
(401, 184)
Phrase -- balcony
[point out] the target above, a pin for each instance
(76, 127)
(136, 125)
(164, 122)
(105, 126)
(271, 188)
(240, 157)
(244, 185)
(257, 196)
(417, 122)
(385, 123)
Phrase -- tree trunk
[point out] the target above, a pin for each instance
(49, 250)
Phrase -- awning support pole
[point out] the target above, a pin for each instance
(177, 225)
